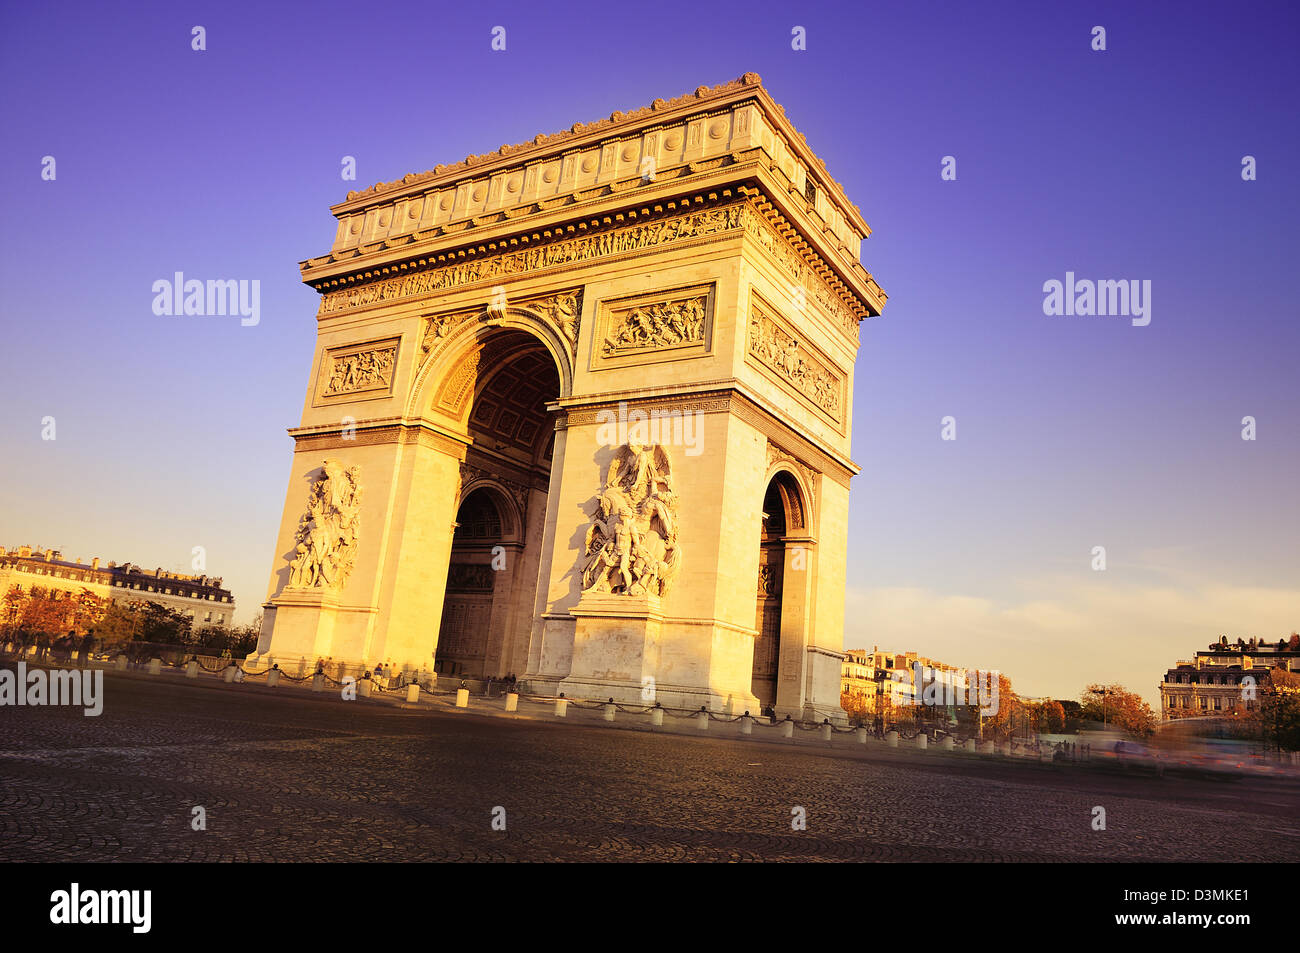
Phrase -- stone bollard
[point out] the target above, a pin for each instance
(1004, 748)
(657, 716)
(273, 678)
(891, 738)
(986, 748)
(155, 666)
(413, 693)
(862, 735)
(787, 728)
(922, 741)
(318, 682)
(120, 665)
(462, 698)
(746, 724)
(364, 687)
(191, 669)
(561, 707)
(971, 745)
(826, 731)
(702, 720)
(610, 710)
(228, 676)
(947, 744)
(512, 701)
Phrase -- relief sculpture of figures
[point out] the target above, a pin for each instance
(782, 353)
(631, 545)
(327, 532)
(664, 324)
(362, 370)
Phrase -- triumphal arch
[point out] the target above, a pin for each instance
(580, 411)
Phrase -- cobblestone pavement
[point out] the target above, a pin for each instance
(308, 778)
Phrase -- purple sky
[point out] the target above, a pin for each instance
(1073, 432)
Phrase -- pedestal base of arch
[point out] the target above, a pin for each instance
(824, 668)
(624, 649)
(303, 622)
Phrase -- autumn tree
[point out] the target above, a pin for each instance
(1115, 705)
(1277, 717)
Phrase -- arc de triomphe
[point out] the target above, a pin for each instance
(580, 412)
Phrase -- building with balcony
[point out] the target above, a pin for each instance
(202, 598)
(877, 682)
(1219, 682)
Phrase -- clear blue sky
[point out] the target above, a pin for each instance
(1072, 432)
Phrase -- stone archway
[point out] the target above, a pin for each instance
(499, 392)
(785, 576)
(483, 324)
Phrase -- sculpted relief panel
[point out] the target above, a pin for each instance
(327, 533)
(660, 326)
(796, 364)
(363, 370)
(631, 544)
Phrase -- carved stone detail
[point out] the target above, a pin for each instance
(357, 370)
(631, 544)
(610, 242)
(327, 532)
(564, 310)
(760, 229)
(663, 324)
(781, 352)
(438, 327)
(453, 393)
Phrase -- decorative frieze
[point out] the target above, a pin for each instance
(793, 263)
(358, 370)
(664, 324)
(658, 326)
(794, 362)
(498, 267)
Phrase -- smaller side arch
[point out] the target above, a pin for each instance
(796, 498)
(507, 508)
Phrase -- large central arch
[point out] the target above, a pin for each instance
(496, 546)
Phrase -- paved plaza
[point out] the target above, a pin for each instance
(287, 775)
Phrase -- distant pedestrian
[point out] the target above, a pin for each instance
(87, 647)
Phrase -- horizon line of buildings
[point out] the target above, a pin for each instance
(200, 597)
(1213, 682)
